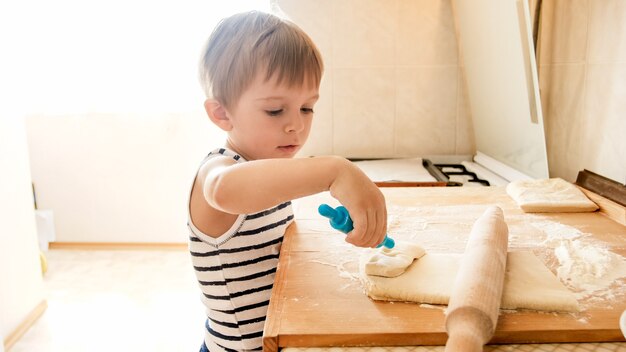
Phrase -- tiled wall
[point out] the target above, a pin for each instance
(392, 85)
(582, 74)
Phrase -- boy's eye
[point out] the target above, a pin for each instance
(307, 110)
(274, 112)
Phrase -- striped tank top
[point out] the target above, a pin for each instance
(236, 272)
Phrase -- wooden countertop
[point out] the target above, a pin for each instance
(318, 300)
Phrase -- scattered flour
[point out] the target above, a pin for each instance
(586, 267)
(343, 272)
(589, 269)
(556, 232)
(581, 265)
(592, 272)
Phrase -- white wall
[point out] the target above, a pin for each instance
(118, 178)
(21, 285)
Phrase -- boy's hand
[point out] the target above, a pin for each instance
(365, 203)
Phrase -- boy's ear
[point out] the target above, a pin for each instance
(218, 114)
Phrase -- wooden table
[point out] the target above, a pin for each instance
(318, 300)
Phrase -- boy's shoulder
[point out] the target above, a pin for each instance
(224, 152)
(217, 158)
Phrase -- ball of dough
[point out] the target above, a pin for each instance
(392, 262)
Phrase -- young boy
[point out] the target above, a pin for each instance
(261, 75)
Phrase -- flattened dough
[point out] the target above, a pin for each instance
(527, 283)
(549, 195)
(393, 262)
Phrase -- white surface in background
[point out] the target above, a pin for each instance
(118, 177)
(21, 285)
(499, 168)
(402, 170)
(45, 228)
(118, 300)
(485, 174)
(412, 170)
(502, 84)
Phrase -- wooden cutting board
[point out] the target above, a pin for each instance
(318, 301)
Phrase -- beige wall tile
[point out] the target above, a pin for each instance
(563, 31)
(584, 103)
(364, 32)
(563, 101)
(321, 138)
(607, 31)
(363, 42)
(426, 34)
(426, 110)
(464, 143)
(314, 17)
(363, 112)
(604, 129)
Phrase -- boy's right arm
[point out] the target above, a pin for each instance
(256, 185)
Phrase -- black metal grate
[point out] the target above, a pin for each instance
(440, 172)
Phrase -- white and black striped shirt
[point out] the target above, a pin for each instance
(236, 273)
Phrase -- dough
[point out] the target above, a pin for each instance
(527, 283)
(393, 262)
(549, 195)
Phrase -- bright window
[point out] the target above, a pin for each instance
(85, 56)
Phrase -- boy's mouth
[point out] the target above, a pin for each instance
(288, 148)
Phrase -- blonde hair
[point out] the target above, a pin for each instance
(244, 44)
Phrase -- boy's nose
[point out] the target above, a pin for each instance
(295, 124)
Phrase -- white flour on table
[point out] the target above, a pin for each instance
(586, 266)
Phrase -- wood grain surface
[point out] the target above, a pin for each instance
(318, 300)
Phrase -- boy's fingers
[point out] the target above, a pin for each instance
(369, 230)
(384, 224)
(374, 238)
(368, 238)
(355, 236)
(370, 227)
(376, 228)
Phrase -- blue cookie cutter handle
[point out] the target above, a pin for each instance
(340, 220)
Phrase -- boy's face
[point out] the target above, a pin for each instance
(270, 120)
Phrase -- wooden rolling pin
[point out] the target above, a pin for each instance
(474, 304)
